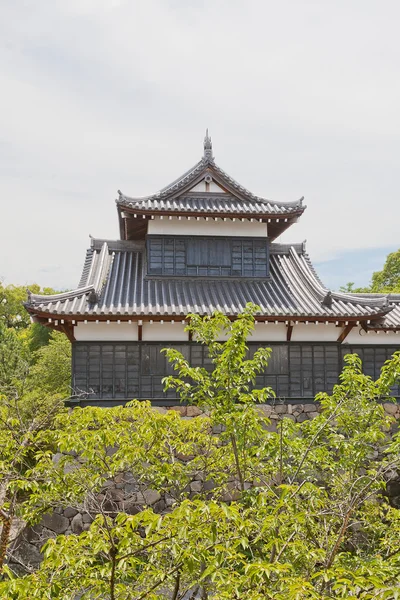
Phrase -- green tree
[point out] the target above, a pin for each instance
(296, 514)
(388, 279)
(14, 363)
(350, 289)
(51, 371)
(383, 282)
(12, 298)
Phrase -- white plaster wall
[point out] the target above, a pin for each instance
(173, 226)
(213, 187)
(164, 332)
(315, 333)
(101, 332)
(268, 333)
(360, 337)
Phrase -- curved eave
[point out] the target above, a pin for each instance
(292, 292)
(149, 212)
(122, 316)
(195, 175)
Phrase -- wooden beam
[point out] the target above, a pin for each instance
(68, 329)
(345, 332)
(289, 331)
(140, 332)
(156, 318)
(185, 213)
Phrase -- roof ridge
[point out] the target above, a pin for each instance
(325, 293)
(37, 298)
(280, 248)
(190, 176)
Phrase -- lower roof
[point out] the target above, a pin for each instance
(114, 284)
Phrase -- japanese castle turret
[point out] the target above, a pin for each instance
(201, 244)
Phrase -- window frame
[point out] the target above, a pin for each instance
(249, 257)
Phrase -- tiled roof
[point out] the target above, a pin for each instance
(177, 197)
(211, 204)
(114, 283)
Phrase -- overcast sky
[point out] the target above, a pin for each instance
(301, 98)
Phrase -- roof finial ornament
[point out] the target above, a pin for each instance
(208, 155)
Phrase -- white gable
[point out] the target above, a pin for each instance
(204, 186)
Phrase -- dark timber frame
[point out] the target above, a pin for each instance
(117, 372)
(207, 256)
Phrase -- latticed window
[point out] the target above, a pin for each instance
(207, 256)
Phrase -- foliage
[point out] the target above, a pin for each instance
(388, 279)
(51, 373)
(296, 514)
(228, 389)
(12, 298)
(350, 289)
(14, 364)
(385, 281)
(33, 359)
(34, 379)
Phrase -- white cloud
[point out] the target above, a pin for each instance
(300, 97)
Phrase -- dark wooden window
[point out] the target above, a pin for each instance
(116, 372)
(207, 256)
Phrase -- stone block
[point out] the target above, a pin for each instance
(57, 457)
(55, 522)
(47, 534)
(303, 417)
(291, 417)
(27, 554)
(393, 488)
(193, 411)
(159, 506)
(109, 483)
(131, 487)
(196, 486)
(86, 518)
(130, 506)
(116, 494)
(313, 414)
(217, 429)
(264, 410)
(208, 485)
(77, 524)
(230, 496)
(180, 409)
(70, 512)
(390, 408)
(272, 428)
(148, 497)
(159, 409)
(309, 408)
(280, 409)
(184, 457)
(71, 466)
(111, 450)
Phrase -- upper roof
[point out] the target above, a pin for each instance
(114, 283)
(227, 198)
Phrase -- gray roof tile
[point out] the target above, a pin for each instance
(177, 197)
(115, 271)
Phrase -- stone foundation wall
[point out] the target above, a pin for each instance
(123, 493)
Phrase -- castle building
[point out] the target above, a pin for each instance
(201, 244)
